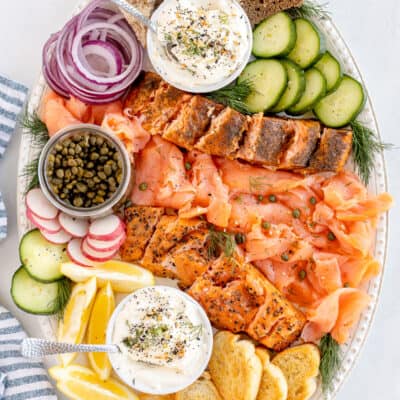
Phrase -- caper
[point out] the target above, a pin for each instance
(72, 163)
(90, 195)
(94, 156)
(58, 147)
(107, 170)
(90, 165)
(88, 174)
(119, 177)
(68, 174)
(111, 181)
(63, 196)
(69, 186)
(103, 159)
(104, 151)
(90, 183)
(92, 140)
(74, 170)
(102, 175)
(71, 151)
(97, 179)
(98, 200)
(78, 201)
(72, 145)
(101, 193)
(81, 187)
(51, 158)
(78, 149)
(103, 186)
(116, 156)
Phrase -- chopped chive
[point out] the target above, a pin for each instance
(260, 197)
(313, 200)
(302, 275)
(240, 238)
(272, 198)
(188, 166)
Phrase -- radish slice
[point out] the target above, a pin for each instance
(49, 225)
(75, 253)
(105, 245)
(76, 227)
(39, 205)
(97, 256)
(107, 228)
(60, 237)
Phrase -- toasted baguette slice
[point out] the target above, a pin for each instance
(235, 368)
(300, 365)
(202, 389)
(273, 383)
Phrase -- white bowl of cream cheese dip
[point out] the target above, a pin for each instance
(210, 39)
(165, 340)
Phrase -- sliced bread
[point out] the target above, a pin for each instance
(202, 389)
(273, 382)
(300, 365)
(258, 10)
(234, 367)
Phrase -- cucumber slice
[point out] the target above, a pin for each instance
(275, 36)
(32, 296)
(307, 49)
(269, 78)
(42, 259)
(343, 105)
(314, 91)
(330, 68)
(295, 87)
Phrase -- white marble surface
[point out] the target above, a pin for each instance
(372, 30)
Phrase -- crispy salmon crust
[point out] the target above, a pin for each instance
(141, 223)
(224, 135)
(237, 297)
(333, 151)
(192, 122)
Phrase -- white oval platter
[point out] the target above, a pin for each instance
(336, 44)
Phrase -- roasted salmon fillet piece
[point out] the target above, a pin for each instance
(238, 297)
(141, 223)
(163, 109)
(265, 141)
(333, 151)
(224, 134)
(192, 122)
(303, 141)
(170, 231)
(142, 94)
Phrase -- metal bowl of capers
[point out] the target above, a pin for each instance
(84, 171)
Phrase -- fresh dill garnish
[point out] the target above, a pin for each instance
(35, 128)
(30, 172)
(219, 241)
(331, 358)
(366, 145)
(310, 9)
(234, 96)
(64, 293)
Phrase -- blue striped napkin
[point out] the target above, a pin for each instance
(12, 98)
(20, 378)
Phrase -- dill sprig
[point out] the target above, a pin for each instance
(310, 9)
(234, 96)
(30, 172)
(366, 145)
(331, 358)
(64, 293)
(219, 241)
(35, 128)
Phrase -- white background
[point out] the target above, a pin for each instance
(372, 30)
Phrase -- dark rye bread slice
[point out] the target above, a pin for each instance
(258, 10)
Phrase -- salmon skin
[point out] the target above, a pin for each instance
(194, 122)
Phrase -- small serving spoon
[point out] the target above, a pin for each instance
(38, 348)
(129, 8)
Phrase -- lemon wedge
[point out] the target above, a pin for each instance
(80, 383)
(72, 328)
(103, 307)
(124, 277)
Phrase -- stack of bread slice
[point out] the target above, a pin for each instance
(242, 371)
